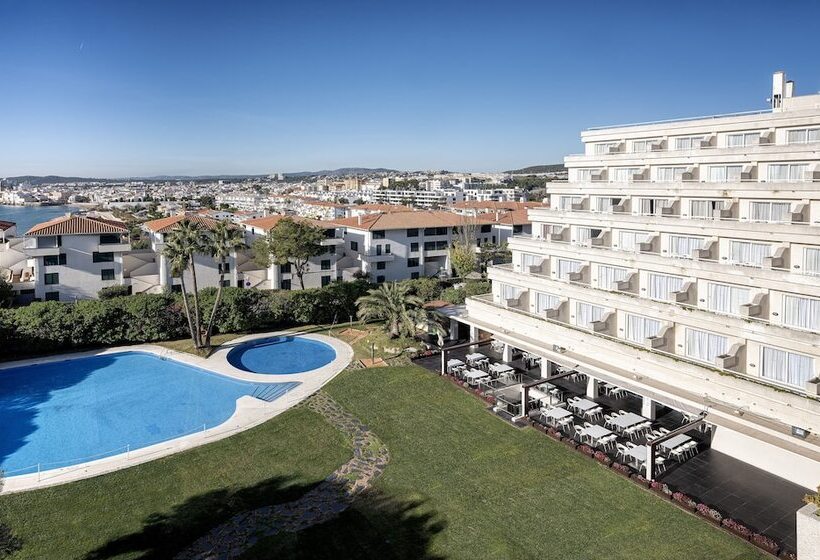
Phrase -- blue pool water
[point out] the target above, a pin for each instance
(62, 413)
(281, 354)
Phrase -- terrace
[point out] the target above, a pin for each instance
(659, 441)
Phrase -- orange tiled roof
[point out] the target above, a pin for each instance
(383, 207)
(417, 219)
(164, 225)
(267, 223)
(4, 225)
(515, 218)
(78, 225)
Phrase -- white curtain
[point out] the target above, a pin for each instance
(653, 206)
(604, 147)
(585, 174)
(586, 314)
(669, 174)
(725, 173)
(705, 346)
(609, 275)
(760, 211)
(528, 260)
(801, 312)
(786, 367)
(566, 202)
(641, 146)
(605, 204)
(683, 246)
(688, 143)
(811, 261)
(545, 301)
(566, 266)
(662, 286)
(703, 208)
(639, 328)
(744, 139)
(583, 236)
(630, 240)
(510, 292)
(803, 135)
(727, 299)
(788, 172)
(624, 174)
(747, 253)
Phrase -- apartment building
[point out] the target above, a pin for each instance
(417, 197)
(321, 270)
(73, 257)
(682, 262)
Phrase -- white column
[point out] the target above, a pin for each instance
(164, 276)
(273, 273)
(546, 368)
(648, 408)
(592, 387)
(507, 354)
(473, 335)
(453, 329)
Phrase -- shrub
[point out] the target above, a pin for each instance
(621, 469)
(586, 450)
(602, 458)
(737, 527)
(766, 543)
(684, 500)
(113, 291)
(639, 479)
(476, 288)
(661, 488)
(709, 513)
(428, 289)
(9, 543)
(456, 296)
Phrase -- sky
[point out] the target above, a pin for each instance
(119, 88)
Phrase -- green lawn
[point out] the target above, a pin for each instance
(461, 484)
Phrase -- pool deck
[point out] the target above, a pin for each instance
(249, 411)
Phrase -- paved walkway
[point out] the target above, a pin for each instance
(330, 498)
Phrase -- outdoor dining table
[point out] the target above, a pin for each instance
(582, 405)
(556, 413)
(473, 375)
(476, 357)
(674, 442)
(596, 432)
(542, 392)
(638, 453)
(623, 421)
(453, 363)
(499, 369)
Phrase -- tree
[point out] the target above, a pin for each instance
(181, 244)
(395, 305)
(292, 242)
(463, 251)
(6, 291)
(224, 240)
(207, 201)
(491, 253)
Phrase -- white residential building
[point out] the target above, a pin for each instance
(682, 263)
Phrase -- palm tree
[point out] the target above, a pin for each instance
(394, 304)
(181, 244)
(225, 239)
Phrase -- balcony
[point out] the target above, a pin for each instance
(121, 247)
(374, 256)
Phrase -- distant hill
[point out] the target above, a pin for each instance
(534, 169)
(38, 180)
(342, 172)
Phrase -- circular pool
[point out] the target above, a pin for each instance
(281, 355)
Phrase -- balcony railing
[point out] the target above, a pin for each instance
(678, 216)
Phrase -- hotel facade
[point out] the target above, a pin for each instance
(682, 262)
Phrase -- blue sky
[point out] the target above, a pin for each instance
(143, 88)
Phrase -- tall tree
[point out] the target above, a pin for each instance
(395, 305)
(463, 252)
(181, 244)
(225, 239)
(294, 242)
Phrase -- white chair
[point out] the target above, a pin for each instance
(579, 433)
(690, 448)
(677, 453)
(622, 451)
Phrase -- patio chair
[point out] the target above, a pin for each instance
(608, 418)
(678, 453)
(579, 433)
(630, 432)
(663, 430)
(595, 413)
(690, 448)
(567, 423)
(622, 451)
(608, 442)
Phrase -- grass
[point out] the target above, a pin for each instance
(461, 484)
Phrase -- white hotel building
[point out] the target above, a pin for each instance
(682, 263)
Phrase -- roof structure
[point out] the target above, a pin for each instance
(4, 225)
(77, 225)
(404, 220)
(164, 225)
(267, 223)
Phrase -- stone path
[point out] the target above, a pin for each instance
(330, 498)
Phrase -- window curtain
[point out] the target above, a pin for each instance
(727, 299)
(639, 328)
(811, 261)
(528, 260)
(705, 346)
(682, 246)
(689, 143)
(725, 173)
(609, 275)
(669, 174)
(545, 301)
(747, 253)
(788, 172)
(586, 314)
(801, 312)
(510, 292)
(653, 206)
(605, 204)
(565, 267)
(624, 174)
(629, 240)
(786, 367)
(566, 202)
(662, 286)
(760, 211)
(583, 236)
(803, 136)
(703, 208)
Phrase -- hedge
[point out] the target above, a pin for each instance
(53, 326)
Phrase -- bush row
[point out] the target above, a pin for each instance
(52, 326)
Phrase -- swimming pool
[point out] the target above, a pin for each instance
(281, 355)
(63, 413)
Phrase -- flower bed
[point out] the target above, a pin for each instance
(639, 478)
(709, 513)
(622, 469)
(586, 450)
(602, 458)
(736, 527)
(661, 489)
(685, 500)
(765, 543)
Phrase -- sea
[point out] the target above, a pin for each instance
(27, 216)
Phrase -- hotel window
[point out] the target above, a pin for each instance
(325, 264)
(788, 172)
(669, 174)
(412, 262)
(624, 174)
(688, 143)
(662, 286)
(605, 204)
(378, 234)
(638, 328)
(586, 174)
(725, 173)
(746, 253)
(804, 136)
(811, 261)
(107, 274)
(727, 299)
(567, 267)
(381, 265)
(54, 260)
(507, 292)
(102, 257)
(528, 260)
(777, 212)
(742, 139)
(586, 314)
(785, 367)
(354, 245)
(642, 146)
(545, 301)
(413, 232)
(325, 281)
(604, 148)
(52, 296)
(801, 312)
(609, 276)
(684, 247)
(51, 278)
(653, 206)
(705, 346)
(631, 240)
(704, 209)
(284, 268)
(584, 235)
(566, 202)
(414, 247)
